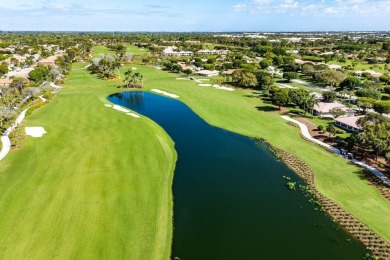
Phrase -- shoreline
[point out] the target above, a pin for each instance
(373, 242)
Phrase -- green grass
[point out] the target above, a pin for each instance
(101, 49)
(96, 186)
(239, 112)
(135, 50)
(361, 65)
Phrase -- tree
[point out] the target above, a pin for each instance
(39, 74)
(18, 84)
(265, 63)
(244, 79)
(350, 83)
(331, 129)
(127, 79)
(336, 112)
(382, 107)
(375, 133)
(290, 75)
(308, 102)
(371, 93)
(387, 90)
(329, 96)
(331, 77)
(264, 81)
(365, 103)
(280, 97)
(321, 128)
(187, 72)
(308, 69)
(133, 79)
(3, 69)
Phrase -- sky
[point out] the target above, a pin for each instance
(194, 15)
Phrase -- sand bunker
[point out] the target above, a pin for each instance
(37, 131)
(119, 108)
(133, 115)
(165, 93)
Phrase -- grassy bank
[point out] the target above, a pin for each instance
(243, 112)
(97, 185)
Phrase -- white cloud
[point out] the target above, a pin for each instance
(239, 7)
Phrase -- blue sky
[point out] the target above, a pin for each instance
(199, 15)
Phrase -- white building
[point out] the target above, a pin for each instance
(213, 52)
(348, 123)
(208, 73)
(170, 51)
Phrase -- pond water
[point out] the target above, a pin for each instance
(230, 198)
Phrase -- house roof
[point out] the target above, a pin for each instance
(325, 107)
(5, 81)
(349, 120)
(229, 72)
(208, 72)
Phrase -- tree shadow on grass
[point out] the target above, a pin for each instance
(267, 108)
(251, 96)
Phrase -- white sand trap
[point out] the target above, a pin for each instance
(37, 131)
(133, 115)
(107, 105)
(205, 85)
(165, 93)
(223, 88)
(133, 68)
(204, 79)
(182, 78)
(119, 108)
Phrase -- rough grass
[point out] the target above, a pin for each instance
(96, 186)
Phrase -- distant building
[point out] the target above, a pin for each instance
(207, 73)
(213, 52)
(5, 82)
(373, 73)
(170, 51)
(334, 66)
(348, 123)
(323, 109)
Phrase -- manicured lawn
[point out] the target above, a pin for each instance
(135, 50)
(239, 112)
(101, 49)
(96, 186)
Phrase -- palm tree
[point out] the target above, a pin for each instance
(308, 101)
(128, 76)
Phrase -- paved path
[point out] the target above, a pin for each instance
(57, 88)
(5, 139)
(305, 133)
(306, 84)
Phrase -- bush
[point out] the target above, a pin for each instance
(313, 58)
(371, 93)
(387, 90)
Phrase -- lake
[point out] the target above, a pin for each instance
(230, 198)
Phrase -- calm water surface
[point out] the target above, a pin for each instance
(230, 197)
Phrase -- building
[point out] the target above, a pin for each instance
(348, 123)
(170, 51)
(372, 72)
(213, 52)
(5, 82)
(323, 109)
(207, 73)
